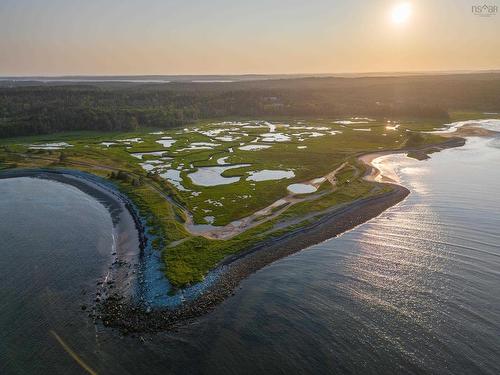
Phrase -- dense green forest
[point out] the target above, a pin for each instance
(38, 108)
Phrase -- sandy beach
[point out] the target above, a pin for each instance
(120, 300)
(122, 273)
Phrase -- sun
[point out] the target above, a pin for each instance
(401, 13)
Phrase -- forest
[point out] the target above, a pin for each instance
(32, 107)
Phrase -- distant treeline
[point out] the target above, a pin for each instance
(42, 108)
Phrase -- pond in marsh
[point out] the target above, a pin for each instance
(415, 290)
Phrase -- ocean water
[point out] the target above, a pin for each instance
(55, 241)
(413, 291)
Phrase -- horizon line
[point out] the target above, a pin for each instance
(302, 75)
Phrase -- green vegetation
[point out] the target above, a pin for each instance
(160, 181)
(317, 125)
(26, 109)
(192, 135)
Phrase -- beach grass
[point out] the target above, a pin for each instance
(163, 205)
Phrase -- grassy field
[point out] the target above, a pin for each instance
(167, 181)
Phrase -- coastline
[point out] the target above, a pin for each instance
(129, 318)
(120, 301)
(232, 270)
(122, 273)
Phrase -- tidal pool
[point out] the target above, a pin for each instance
(140, 155)
(268, 175)
(275, 137)
(209, 219)
(199, 146)
(301, 188)
(309, 134)
(227, 138)
(212, 176)
(130, 140)
(222, 161)
(153, 164)
(412, 291)
(166, 142)
(107, 144)
(204, 144)
(50, 146)
(174, 177)
(253, 147)
(395, 127)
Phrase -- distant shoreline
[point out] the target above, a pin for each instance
(166, 78)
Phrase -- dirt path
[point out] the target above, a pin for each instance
(268, 213)
(232, 229)
(275, 209)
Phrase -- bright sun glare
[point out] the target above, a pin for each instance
(401, 13)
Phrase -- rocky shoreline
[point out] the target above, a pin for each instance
(114, 306)
(116, 312)
(122, 273)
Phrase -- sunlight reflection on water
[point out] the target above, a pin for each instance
(414, 290)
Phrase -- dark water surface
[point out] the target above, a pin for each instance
(416, 290)
(54, 242)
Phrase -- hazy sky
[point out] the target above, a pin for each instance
(247, 36)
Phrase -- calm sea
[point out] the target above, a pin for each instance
(414, 291)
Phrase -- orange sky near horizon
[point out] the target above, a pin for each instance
(107, 37)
